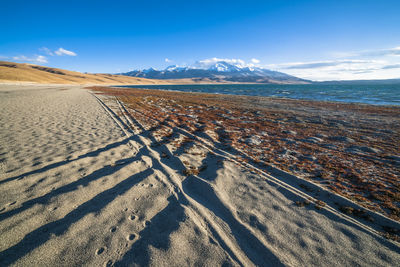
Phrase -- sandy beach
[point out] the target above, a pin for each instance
(121, 177)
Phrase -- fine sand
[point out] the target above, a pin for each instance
(82, 182)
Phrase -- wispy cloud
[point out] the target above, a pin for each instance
(61, 52)
(387, 52)
(168, 60)
(46, 51)
(363, 71)
(35, 59)
(384, 52)
(393, 66)
(255, 61)
(320, 64)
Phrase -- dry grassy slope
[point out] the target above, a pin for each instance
(18, 72)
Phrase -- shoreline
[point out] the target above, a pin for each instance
(138, 86)
(154, 87)
(271, 97)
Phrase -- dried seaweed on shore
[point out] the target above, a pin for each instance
(351, 149)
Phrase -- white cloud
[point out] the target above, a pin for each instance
(206, 63)
(41, 59)
(36, 59)
(168, 60)
(233, 61)
(61, 52)
(255, 61)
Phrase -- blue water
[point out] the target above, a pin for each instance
(377, 94)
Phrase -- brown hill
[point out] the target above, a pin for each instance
(21, 72)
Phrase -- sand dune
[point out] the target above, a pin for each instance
(85, 180)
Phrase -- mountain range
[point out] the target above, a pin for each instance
(220, 71)
(214, 73)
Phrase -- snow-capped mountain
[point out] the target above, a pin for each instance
(218, 71)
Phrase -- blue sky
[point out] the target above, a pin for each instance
(318, 40)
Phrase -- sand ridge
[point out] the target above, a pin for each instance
(84, 182)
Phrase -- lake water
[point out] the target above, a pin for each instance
(378, 94)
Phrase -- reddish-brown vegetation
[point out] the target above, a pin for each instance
(347, 148)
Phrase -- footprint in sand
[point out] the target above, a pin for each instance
(12, 203)
(113, 229)
(108, 263)
(99, 251)
(130, 237)
(132, 217)
(146, 223)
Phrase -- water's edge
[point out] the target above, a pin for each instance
(375, 94)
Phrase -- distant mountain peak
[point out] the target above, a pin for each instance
(148, 70)
(170, 68)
